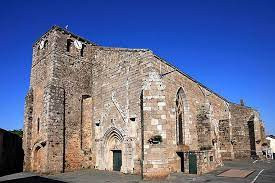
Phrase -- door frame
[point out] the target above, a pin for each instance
(181, 155)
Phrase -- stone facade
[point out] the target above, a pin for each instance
(91, 106)
(248, 134)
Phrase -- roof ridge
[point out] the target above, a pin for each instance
(191, 78)
(123, 49)
(55, 27)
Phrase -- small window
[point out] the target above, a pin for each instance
(69, 44)
(97, 123)
(38, 125)
(211, 158)
(82, 50)
(38, 51)
(46, 44)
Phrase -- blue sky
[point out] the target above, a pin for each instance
(228, 45)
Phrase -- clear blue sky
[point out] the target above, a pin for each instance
(229, 45)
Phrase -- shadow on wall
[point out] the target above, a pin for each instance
(11, 153)
(33, 179)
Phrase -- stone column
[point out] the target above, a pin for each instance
(28, 116)
(258, 137)
(155, 163)
(54, 111)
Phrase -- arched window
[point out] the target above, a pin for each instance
(180, 116)
(69, 44)
(46, 44)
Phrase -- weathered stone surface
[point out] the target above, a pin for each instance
(247, 132)
(87, 102)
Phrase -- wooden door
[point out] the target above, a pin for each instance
(192, 163)
(117, 160)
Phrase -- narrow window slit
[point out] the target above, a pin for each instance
(69, 44)
(82, 50)
(38, 125)
(46, 44)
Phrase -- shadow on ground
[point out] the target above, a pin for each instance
(33, 179)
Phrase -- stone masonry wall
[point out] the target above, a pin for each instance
(117, 83)
(72, 72)
(242, 140)
(86, 102)
(225, 134)
(35, 123)
(154, 111)
(27, 130)
(163, 122)
(54, 112)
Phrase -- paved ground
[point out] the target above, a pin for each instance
(266, 168)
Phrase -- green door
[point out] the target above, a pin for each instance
(192, 163)
(117, 160)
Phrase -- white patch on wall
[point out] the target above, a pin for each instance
(159, 127)
(154, 121)
(163, 116)
(41, 44)
(78, 44)
(153, 76)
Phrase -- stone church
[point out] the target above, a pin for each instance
(127, 110)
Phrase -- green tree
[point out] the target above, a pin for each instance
(18, 132)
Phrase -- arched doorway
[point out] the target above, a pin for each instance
(113, 149)
(37, 159)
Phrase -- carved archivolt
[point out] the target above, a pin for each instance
(112, 133)
(40, 144)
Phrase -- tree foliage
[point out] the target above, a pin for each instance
(18, 132)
